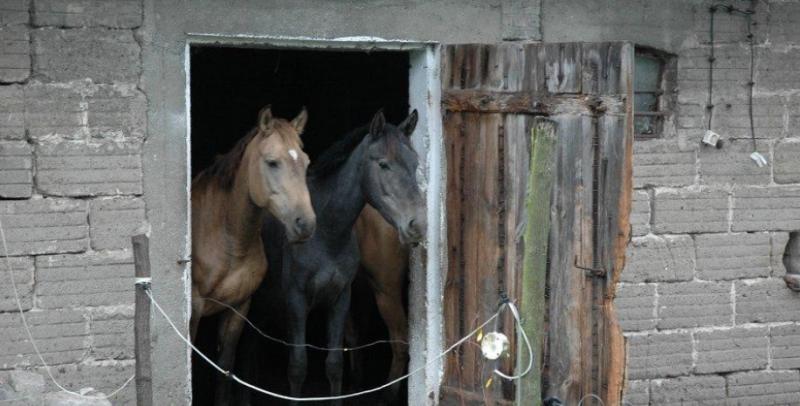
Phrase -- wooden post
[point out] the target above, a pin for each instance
(141, 326)
(534, 271)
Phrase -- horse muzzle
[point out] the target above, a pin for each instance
(413, 232)
(302, 229)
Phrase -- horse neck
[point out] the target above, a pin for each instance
(341, 198)
(242, 217)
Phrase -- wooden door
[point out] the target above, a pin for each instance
(490, 96)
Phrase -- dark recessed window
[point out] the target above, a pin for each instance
(653, 84)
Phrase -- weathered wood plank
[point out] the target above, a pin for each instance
(534, 274)
(141, 322)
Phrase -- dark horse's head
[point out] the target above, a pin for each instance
(389, 181)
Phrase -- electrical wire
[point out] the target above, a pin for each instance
(748, 14)
(288, 344)
(240, 381)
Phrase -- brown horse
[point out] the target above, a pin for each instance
(265, 170)
(384, 261)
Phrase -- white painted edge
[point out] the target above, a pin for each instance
(187, 274)
(426, 300)
(354, 42)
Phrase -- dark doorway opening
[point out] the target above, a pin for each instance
(341, 91)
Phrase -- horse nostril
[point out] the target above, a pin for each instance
(299, 223)
(411, 223)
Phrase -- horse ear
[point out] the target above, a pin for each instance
(378, 121)
(409, 124)
(299, 122)
(265, 119)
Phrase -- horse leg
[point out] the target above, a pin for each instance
(390, 305)
(351, 340)
(335, 360)
(197, 312)
(230, 329)
(298, 357)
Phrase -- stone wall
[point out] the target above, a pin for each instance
(706, 316)
(72, 123)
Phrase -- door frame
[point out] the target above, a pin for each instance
(428, 260)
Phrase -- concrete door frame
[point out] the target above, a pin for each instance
(427, 262)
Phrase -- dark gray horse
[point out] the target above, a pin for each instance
(373, 165)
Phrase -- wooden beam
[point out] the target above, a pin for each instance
(481, 101)
(141, 324)
(534, 274)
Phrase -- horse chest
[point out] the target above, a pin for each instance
(239, 283)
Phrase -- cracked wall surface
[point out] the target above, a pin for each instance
(72, 123)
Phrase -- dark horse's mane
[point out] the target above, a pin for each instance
(224, 168)
(337, 154)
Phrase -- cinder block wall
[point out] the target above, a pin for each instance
(72, 122)
(706, 316)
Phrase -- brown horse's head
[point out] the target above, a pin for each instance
(390, 176)
(277, 173)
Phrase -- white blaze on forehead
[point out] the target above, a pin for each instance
(293, 154)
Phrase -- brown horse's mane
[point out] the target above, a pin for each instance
(224, 168)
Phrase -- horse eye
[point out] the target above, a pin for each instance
(383, 165)
(273, 164)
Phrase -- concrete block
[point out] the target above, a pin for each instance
(16, 169)
(778, 243)
(61, 336)
(732, 164)
(636, 306)
(15, 54)
(72, 168)
(25, 382)
(67, 399)
(102, 55)
(767, 300)
(112, 335)
(80, 109)
(113, 221)
(116, 111)
(793, 110)
(775, 68)
(732, 119)
(521, 20)
(45, 226)
(637, 393)
(12, 113)
(22, 268)
(88, 13)
(733, 256)
(782, 27)
(695, 210)
(763, 388)
(659, 259)
(787, 161)
(14, 12)
(640, 213)
(662, 163)
(737, 349)
(688, 391)
(103, 376)
(731, 72)
(93, 279)
(772, 208)
(785, 346)
(659, 355)
(694, 304)
(56, 110)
